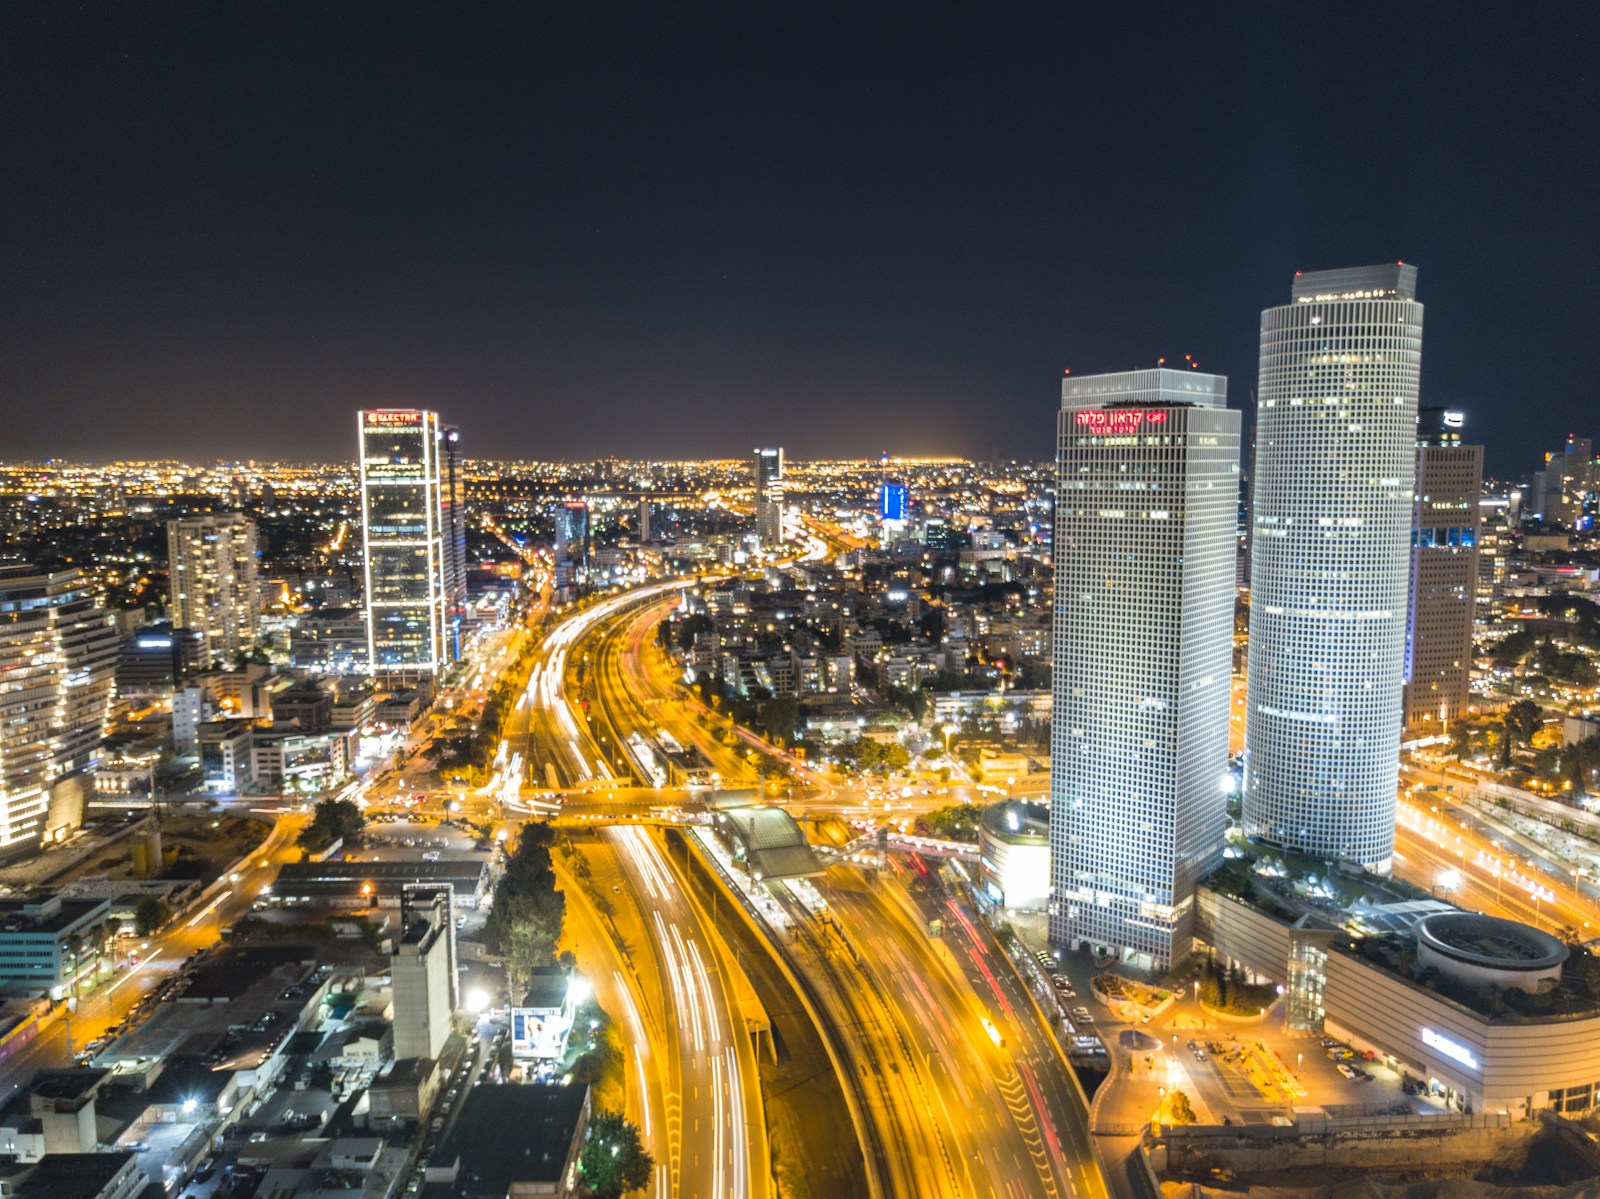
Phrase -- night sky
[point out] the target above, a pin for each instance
(685, 229)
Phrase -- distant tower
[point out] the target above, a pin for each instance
(571, 546)
(1444, 569)
(211, 581)
(1145, 526)
(769, 498)
(1335, 465)
(402, 538)
(453, 522)
(644, 520)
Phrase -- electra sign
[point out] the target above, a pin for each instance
(1453, 1050)
(1121, 420)
(394, 418)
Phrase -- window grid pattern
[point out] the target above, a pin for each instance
(403, 542)
(1331, 535)
(1144, 562)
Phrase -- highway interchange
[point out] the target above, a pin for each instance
(954, 1082)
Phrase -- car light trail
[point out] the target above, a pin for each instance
(208, 909)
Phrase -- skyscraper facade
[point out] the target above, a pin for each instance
(58, 656)
(403, 542)
(1336, 422)
(571, 546)
(212, 585)
(1445, 530)
(769, 498)
(1145, 526)
(453, 506)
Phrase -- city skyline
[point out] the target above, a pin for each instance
(856, 265)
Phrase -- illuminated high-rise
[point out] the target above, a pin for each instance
(769, 498)
(570, 547)
(1145, 529)
(212, 587)
(58, 658)
(403, 543)
(453, 507)
(1336, 423)
(1444, 570)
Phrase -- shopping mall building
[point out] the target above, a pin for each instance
(1488, 1014)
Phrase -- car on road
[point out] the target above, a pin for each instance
(1347, 1070)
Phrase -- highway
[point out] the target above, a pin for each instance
(952, 1112)
(978, 1093)
(713, 1140)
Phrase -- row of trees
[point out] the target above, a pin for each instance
(958, 822)
(525, 921)
(865, 754)
(1226, 989)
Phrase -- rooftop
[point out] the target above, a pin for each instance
(508, 1134)
(1576, 996)
(547, 987)
(1390, 280)
(70, 1175)
(1488, 941)
(1017, 822)
(774, 845)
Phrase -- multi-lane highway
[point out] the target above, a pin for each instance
(952, 1111)
(709, 1135)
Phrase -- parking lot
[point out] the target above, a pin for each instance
(1234, 1072)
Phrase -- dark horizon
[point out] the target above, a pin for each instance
(637, 233)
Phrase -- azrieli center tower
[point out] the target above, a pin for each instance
(1336, 423)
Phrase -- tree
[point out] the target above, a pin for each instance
(150, 913)
(613, 1160)
(1178, 1109)
(1521, 721)
(525, 921)
(333, 820)
(1579, 762)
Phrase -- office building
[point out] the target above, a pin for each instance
(212, 585)
(1444, 570)
(424, 973)
(58, 656)
(53, 946)
(403, 543)
(769, 498)
(329, 641)
(153, 660)
(1336, 424)
(1145, 523)
(893, 499)
(644, 520)
(571, 546)
(453, 523)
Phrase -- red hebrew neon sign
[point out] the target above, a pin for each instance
(1121, 420)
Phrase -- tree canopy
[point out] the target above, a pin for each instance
(333, 820)
(525, 921)
(613, 1160)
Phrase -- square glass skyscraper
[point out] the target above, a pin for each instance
(1145, 545)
